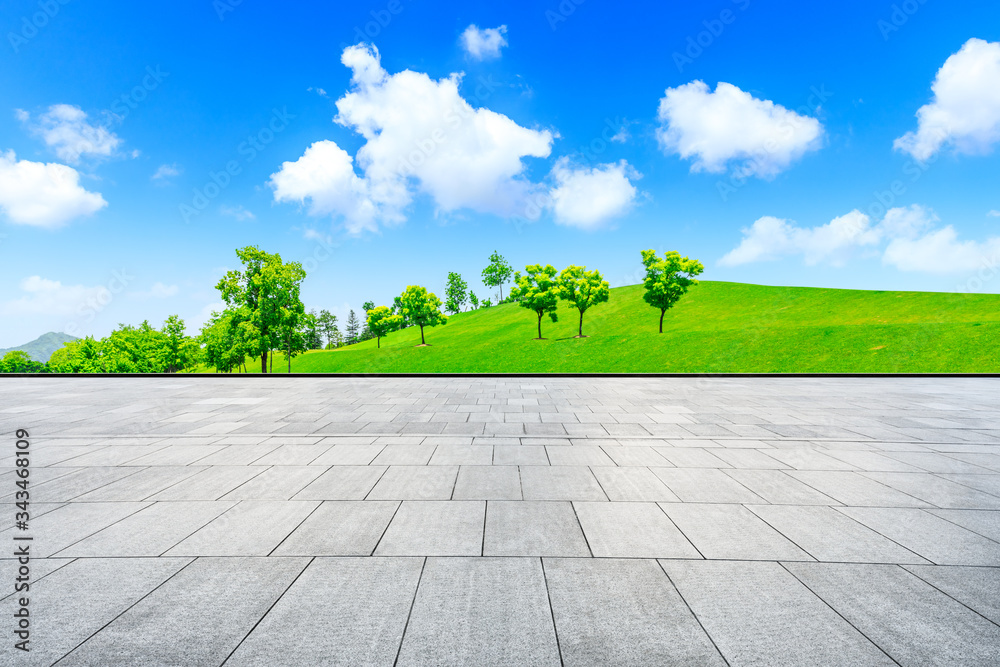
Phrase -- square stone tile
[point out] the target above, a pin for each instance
(632, 530)
(435, 528)
(533, 528)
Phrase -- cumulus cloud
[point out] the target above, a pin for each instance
(731, 129)
(965, 110)
(484, 44)
(51, 297)
(907, 238)
(164, 173)
(770, 238)
(588, 198)
(65, 129)
(994, 214)
(421, 136)
(43, 194)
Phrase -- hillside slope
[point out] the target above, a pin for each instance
(717, 327)
(42, 347)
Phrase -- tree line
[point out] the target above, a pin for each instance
(264, 316)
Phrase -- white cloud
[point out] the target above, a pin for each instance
(729, 128)
(43, 194)
(770, 238)
(51, 297)
(157, 291)
(588, 198)
(484, 44)
(994, 214)
(318, 91)
(237, 212)
(65, 129)
(911, 242)
(965, 110)
(421, 137)
(940, 252)
(164, 173)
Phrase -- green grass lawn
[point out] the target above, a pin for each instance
(717, 327)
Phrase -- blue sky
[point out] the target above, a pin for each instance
(398, 140)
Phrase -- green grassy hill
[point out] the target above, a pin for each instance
(716, 327)
(42, 347)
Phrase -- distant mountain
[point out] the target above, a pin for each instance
(42, 347)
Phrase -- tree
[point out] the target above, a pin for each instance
(352, 328)
(537, 291)
(177, 350)
(668, 279)
(313, 331)
(222, 337)
(421, 308)
(262, 295)
(583, 289)
(336, 338)
(327, 324)
(497, 273)
(397, 307)
(368, 305)
(18, 361)
(382, 321)
(474, 300)
(455, 296)
(293, 333)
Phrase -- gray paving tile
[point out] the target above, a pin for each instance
(176, 455)
(141, 485)
(749, 459)
(932, 462)
(352, 610)
(702, 485)
(578, 455)
(632, 530)
(937, 540)
(81, 598)
(452, 455)
(342, 483)
(292, 455)
(527, 455)
(936, 490)
(632, 483)
(251, 528)
(348, 455)
(828, 535)
(209, 484)
(435, 528)
(66, 487)
(276, 483)
(149, 532)
(480, 611)
(238, 455)
(732, 532)
(975, 587)
(198, 617)
(340, 528)
(533, 528)
(910, 620)
(415, 483)
(775, 487)
(623, 612)
(852, 488)
(635, 455)
(404, 455)
(58, 529)
(560, 483)
(984, 522)
(759, 614)
(488, 483)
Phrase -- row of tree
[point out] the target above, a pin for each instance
(264, 315)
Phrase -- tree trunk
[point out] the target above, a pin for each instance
(378, 342)
(263, 362)
(501, 292)
(422, 342)
(539, 326)
(581, 324)
(662, 312)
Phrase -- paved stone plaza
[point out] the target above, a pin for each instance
(506, 521)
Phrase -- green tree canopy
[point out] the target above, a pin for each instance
(455, 296)
(382, 321)
(497, 273)
(474, 300)
(328, 324)
(668, 279)
(222, 338)
(583, 289)
(19, 361)
(537, 291)
(352, 328)
(263, 294)
(422, 308)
